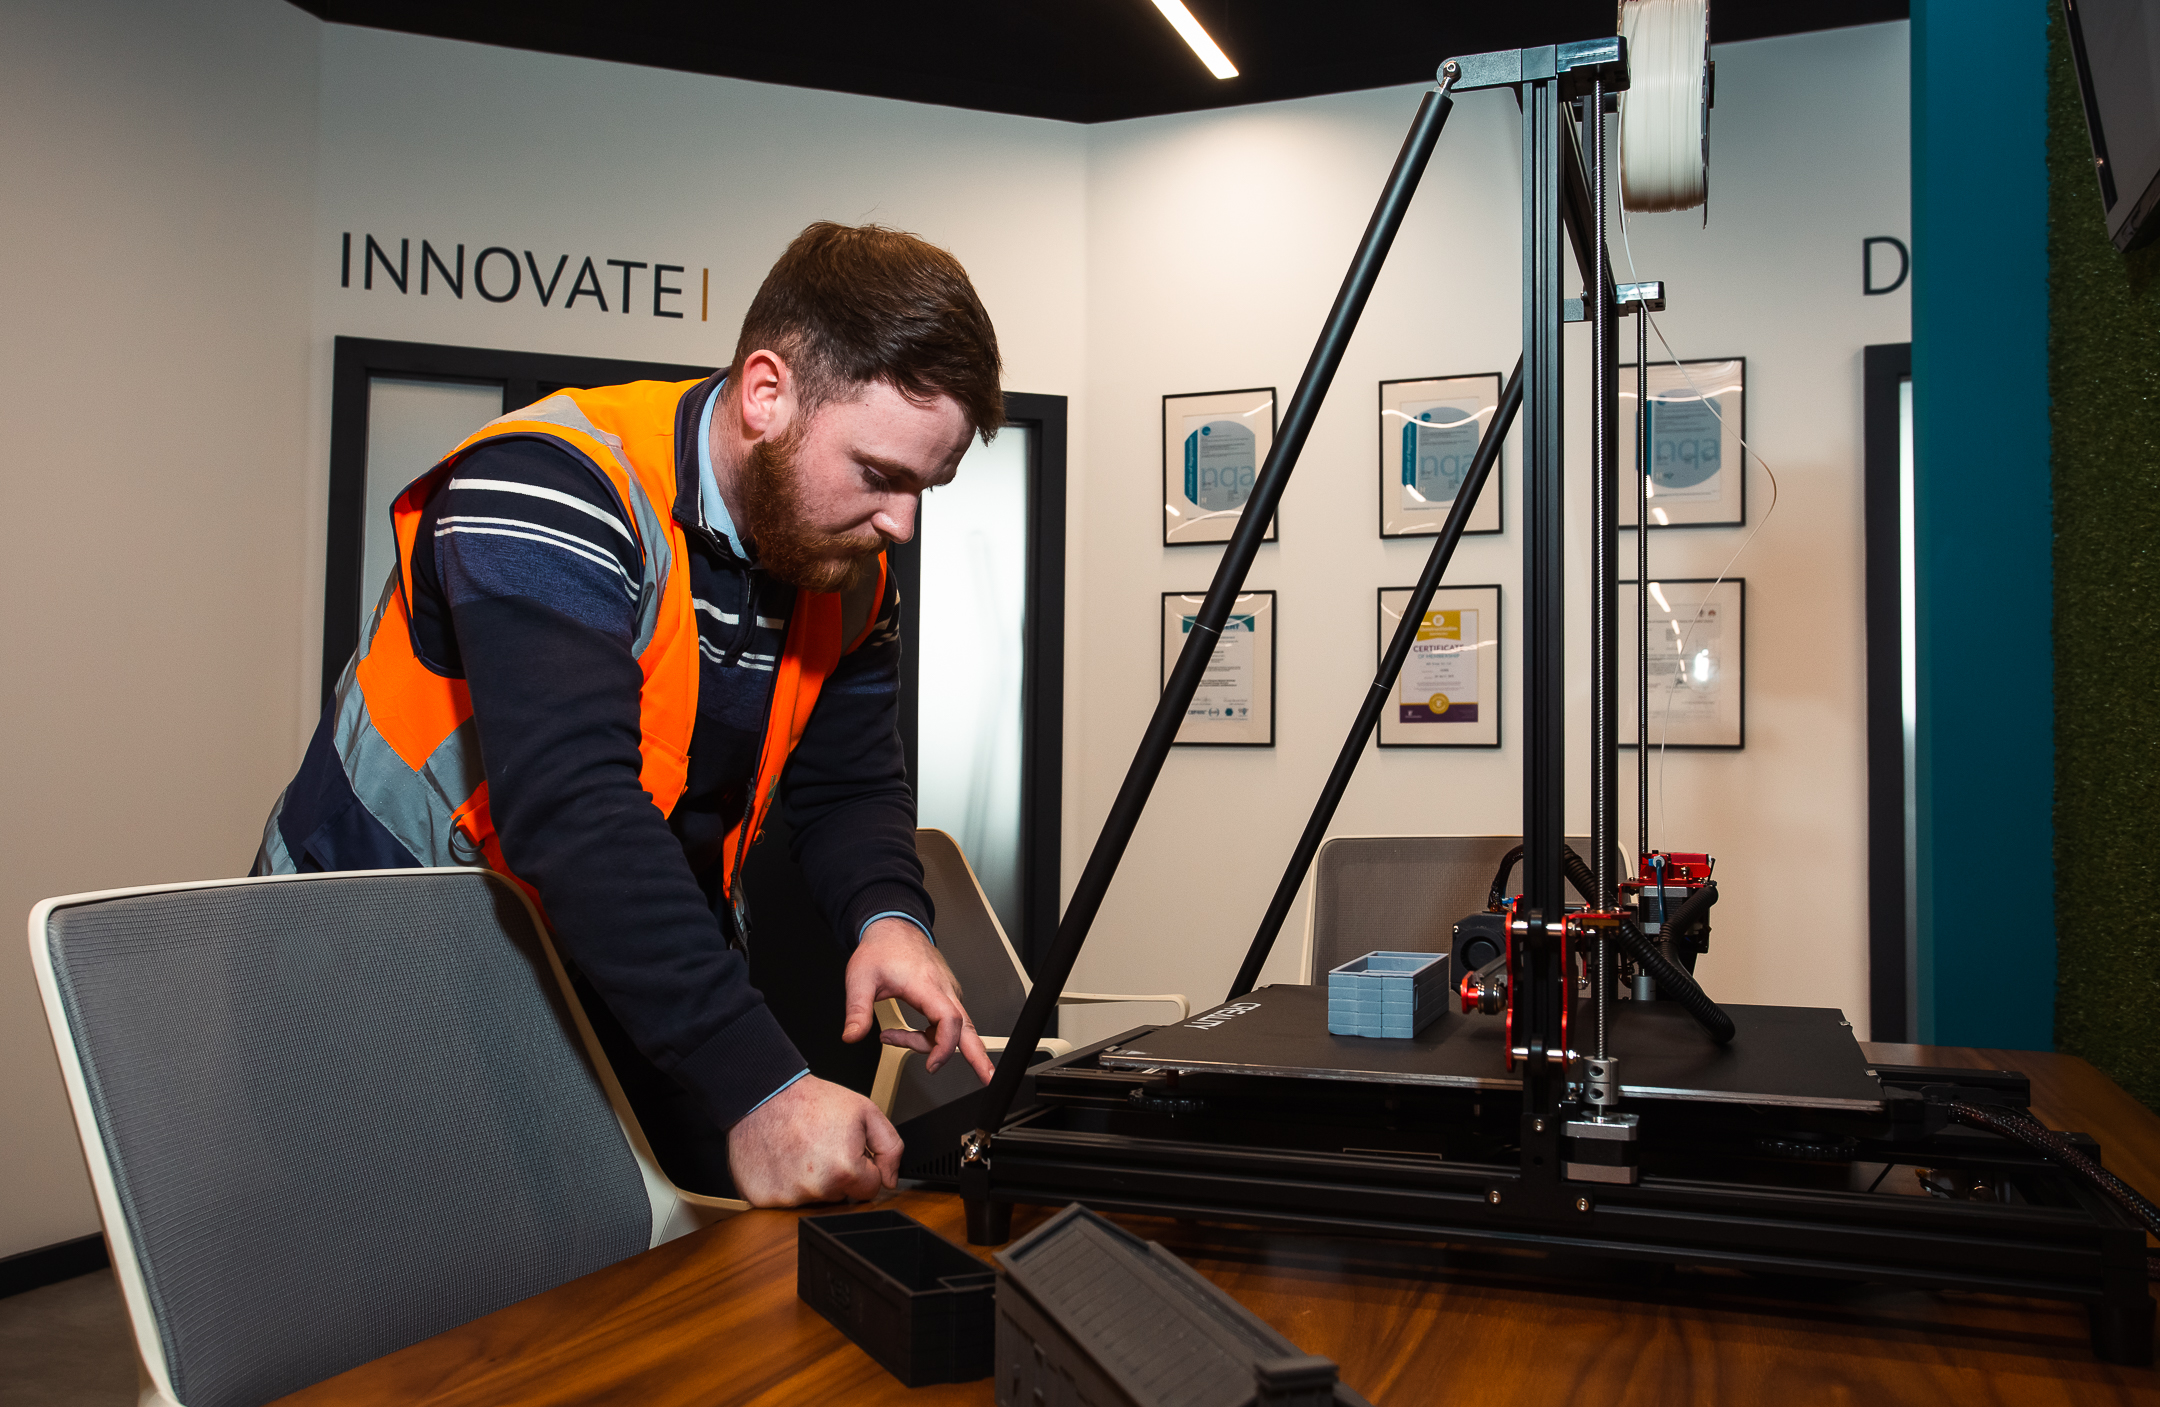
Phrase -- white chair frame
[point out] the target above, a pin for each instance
(675, 1212)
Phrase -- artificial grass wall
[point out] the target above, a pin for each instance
(2104, 380)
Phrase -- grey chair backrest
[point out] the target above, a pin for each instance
(336, 1114)
(969, 936)
(1401, 892)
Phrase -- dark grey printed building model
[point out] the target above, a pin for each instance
(1092, 1316)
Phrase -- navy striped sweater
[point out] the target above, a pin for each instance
(529, 595)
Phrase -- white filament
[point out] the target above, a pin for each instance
(1665, 112)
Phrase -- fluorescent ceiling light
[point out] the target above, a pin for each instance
(1190, 31)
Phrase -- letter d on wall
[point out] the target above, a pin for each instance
(1867, 264)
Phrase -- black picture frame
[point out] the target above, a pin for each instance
(1734, 426)
(1626, 740)
(1495, 493)
(1217, 527)
(1169, 656)
(1383, 730)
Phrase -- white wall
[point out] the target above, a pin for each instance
(153, 386)
(451, 142)
(1215, 243)
(182, 176)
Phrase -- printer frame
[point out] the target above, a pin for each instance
(1720, 1184)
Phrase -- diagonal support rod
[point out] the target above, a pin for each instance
(1383, 686)
(1147, 763)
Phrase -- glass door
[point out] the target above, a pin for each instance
(982, 687)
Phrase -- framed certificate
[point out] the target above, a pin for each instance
(1698, 663)
(1235, 703)
(1698, 417)
(1214, 443)
(1448, 694)
(1429, 433)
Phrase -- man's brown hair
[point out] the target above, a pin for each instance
(847, 305)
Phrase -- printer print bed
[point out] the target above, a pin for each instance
(1799, 1057)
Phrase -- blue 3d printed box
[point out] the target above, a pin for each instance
(1387, 994)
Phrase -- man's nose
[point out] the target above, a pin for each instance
(896, 520)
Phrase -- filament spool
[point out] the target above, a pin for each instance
(1665, 112)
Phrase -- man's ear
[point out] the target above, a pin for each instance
(765, 395)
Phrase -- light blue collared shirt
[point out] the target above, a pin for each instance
(710, 502)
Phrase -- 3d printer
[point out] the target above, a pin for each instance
(1589, 1095)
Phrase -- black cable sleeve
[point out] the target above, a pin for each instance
(1578, 874)
(1693, 907)
(2023, 1128)
(1674, 982)
(1498, 894)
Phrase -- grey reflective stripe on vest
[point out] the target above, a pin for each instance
(416, 807)
(272, 857)
(652, 534)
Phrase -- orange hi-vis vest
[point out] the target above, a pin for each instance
(405, 734)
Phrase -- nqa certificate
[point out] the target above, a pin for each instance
(1214, 443)
(1429, 433)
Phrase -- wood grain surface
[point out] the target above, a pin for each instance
(713, 1318)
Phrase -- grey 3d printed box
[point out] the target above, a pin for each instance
(912, 1300)
(1387, 994)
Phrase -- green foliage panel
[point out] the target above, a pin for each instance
(2104, 380)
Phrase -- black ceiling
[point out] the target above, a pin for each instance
(1077, 60)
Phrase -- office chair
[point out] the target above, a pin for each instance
(329, 1115)
(1400, 893)
(993, 983)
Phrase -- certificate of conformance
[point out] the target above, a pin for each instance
(1438, 683)
(1226, 690)
(1448, 691)
(1686, 674)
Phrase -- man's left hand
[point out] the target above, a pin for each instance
(896, 959)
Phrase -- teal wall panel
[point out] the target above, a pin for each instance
(1982, 534)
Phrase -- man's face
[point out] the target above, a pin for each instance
(825, 495)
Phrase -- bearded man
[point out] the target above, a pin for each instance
(619, 617)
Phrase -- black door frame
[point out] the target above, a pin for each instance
(1042, 668)
(1884, 369)
(356, 361)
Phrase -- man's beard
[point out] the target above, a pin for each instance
(773, 520)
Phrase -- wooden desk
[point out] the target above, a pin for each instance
(713, 1318)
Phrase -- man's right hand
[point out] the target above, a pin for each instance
(813, 1142)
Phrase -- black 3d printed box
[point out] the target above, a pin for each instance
(912, 1300)
(1090, 1314)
